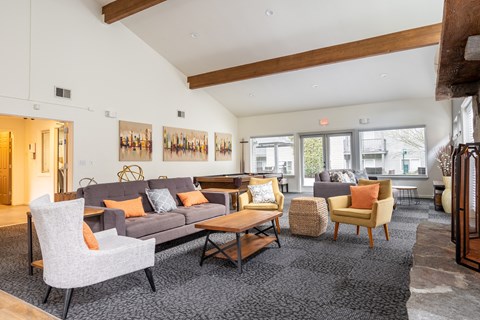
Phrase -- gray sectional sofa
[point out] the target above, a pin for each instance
(162, 227)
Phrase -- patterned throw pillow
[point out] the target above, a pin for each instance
(351, 175)
(336, 176)
(262, 193)
(161, 200)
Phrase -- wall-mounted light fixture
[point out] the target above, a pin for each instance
(324, 122)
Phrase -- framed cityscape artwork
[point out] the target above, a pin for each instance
(184, 145)
(223, 146)
(135, 141)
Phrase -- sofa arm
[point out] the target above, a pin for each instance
(218, 197)
(113, 218)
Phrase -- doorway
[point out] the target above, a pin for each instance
(325, 152)
(6, 168)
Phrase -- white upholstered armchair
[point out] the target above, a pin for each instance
(67, 261)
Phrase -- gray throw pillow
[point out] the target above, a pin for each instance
(324, 176)
(161, 200)
(360, 174)
(262, 193)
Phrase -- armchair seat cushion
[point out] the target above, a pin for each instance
(261, 206)
(353, 213)
(138, 227)
(200, 212)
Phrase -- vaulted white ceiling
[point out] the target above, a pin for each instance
(198, 36)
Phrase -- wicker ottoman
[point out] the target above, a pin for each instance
(308, 216)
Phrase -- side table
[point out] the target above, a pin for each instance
(235, 193)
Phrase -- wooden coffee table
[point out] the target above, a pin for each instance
(243, 246)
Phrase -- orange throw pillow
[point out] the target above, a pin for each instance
(89, 238)
(192, 198)
(363, 197)
(132, 208)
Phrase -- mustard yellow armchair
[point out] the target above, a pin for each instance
(246, 201)
(379, 214)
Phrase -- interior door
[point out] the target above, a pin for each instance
(313, 158)
(5, 168)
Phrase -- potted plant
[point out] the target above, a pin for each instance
(444, 159)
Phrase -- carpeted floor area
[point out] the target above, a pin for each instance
(308, 278)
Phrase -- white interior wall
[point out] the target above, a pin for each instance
(107, 68)
(436, 116)
(17, 127)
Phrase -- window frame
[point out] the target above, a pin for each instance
(252, 161)
(395, 176)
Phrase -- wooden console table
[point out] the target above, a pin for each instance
(88, 212)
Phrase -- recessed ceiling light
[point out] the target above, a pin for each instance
(315, 86)
(194, 35)
(383, 75)
(269, 13)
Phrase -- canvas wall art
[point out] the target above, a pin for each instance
(223, 146)
(184, 145)
(135, 141)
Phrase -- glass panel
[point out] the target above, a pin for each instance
(340, 152)
(313, 159)
(393, 152)
(272, 154)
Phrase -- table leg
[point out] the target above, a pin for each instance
(276, 234)
(30, 244)
(238, 201)
(204, 248)
(239, 253)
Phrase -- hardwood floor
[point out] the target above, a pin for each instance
(11, 215)
(16, 309)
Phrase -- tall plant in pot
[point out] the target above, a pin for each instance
(444, 159)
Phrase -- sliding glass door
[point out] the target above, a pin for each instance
(325, 152)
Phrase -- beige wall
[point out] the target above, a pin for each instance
(65, 43)
(436, 116)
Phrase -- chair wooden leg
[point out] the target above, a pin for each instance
(335, 232)
(358, 230)
(370, 237)
(45, 298)
(387, 236)
(277, 224)
(148, 272)
(66, 304)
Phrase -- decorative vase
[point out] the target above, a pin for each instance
(447, 194)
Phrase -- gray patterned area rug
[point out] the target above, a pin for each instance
(308, 278)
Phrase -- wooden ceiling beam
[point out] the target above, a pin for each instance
(456, 76)
(393, 42)
(120, 9)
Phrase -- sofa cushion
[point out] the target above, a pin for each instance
(354, 213)
(95, 194)
(161, 200)
(153, 223)
(174, 185)
(200, 212)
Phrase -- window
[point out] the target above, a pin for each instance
(393, 151)
(272, 154)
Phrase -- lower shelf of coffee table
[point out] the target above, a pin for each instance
(250, 244)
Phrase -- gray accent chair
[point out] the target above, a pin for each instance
(67, 261)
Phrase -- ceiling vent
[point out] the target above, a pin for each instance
(181, 114)
(63, 93)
